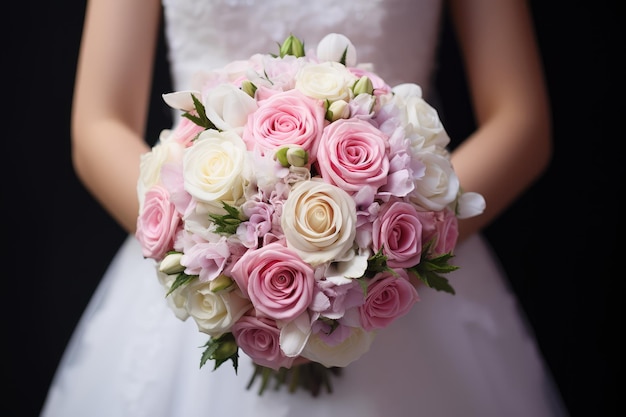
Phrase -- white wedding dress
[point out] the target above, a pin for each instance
(469, 354)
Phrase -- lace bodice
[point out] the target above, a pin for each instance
(206, 34)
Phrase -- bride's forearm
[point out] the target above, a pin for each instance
(501, 161)
(106, 160)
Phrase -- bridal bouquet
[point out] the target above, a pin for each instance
(296, 206)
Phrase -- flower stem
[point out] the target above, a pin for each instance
(310, 376)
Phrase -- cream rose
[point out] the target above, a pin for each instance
(326, 81)
(214, 169)
(214, 312)
(319, 221)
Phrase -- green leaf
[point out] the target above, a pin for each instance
(181, 279)
(343, 56)
(430, 271)
(227, 223)
(220, 350)
(201, 119)
(377, 263)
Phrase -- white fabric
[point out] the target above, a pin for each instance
(469, 354)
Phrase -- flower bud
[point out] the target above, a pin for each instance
(170, 265)
(297, 156)
(363, 86)
(292, 156)
(220, 283)
(281, 156)
(225, 349)
(292, 46)
(248, 87)
(338, 110)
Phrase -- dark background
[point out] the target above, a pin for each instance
(559, 243)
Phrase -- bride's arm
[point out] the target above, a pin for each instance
(512, 145)
(110, 104)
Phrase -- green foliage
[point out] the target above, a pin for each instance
(181, 279)
(227, 223)
(220, 350)
(430, 271)
(201, 118)
(376, 264)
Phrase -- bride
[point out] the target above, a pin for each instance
(471, 354)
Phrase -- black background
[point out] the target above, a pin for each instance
(559, 244)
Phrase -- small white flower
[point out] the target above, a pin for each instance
(334, 47)
(470, 204)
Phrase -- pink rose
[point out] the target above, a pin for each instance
(389, 296)
(353, 156)
(285, 118)
(277, 281)
(259, 338)
(443, 227)
(398, 232)
(157, 223)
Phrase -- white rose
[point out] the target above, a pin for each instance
(342, 354)
(214, 312)
(333, 47)
(439, 185)
(214, 169)
(421, 121)
(319, 221)
(326, 81)
(228, 107)
(151, 162)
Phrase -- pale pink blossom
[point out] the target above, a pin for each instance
(259, 223)
(205, 259)
(185, 132)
